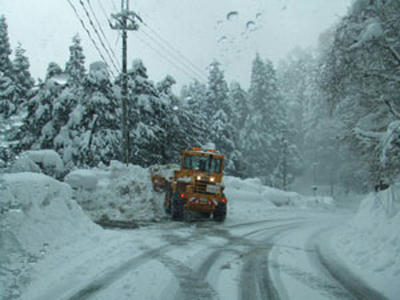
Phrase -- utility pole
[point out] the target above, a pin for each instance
(125, 21)
(285, 165)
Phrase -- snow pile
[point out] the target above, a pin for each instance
(276, 196)
(248, 198)
(118, 192)
(165, 171)
(370, 243)
(37, 215)
(46, 161)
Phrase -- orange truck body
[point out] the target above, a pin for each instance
(197, 186)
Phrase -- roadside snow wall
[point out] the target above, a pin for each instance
(117, 192)
(371, 241)
(39, 161)
(37, 214)
(249, 199)
(276, 196)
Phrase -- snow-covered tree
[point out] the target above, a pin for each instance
(146, 110)
(39, 113)
(75, 66)
(182, 127)
(92, 135)
(239, 105)
(5, 49)
(219, 111)
(53, 69)
(194, 101)
(22, 76)
(263, 132)
(217, 92)
(361, 78)
(7, 86)
(7, 96)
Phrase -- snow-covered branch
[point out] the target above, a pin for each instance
(382, 75)
(368, 134)
(393, 110)
(395, 54)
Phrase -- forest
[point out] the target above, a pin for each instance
(330, 114)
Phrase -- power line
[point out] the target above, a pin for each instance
(103, 34)
(171, 55)
(175, 55)
(90, 37)
(98, 35)
(172, 47)
(191, 76)
(109, 23)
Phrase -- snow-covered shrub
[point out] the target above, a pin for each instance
(40, 161)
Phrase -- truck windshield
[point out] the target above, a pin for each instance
(203, 163)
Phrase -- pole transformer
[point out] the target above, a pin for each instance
(125, 21)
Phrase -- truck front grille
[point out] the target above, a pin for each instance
(200, 186)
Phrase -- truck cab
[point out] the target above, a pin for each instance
(198, 185)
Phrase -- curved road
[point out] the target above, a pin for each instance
(281, 258)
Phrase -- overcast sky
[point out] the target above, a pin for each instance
(178, 31)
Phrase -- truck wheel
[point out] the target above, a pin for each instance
(177, 207)
(220, 212)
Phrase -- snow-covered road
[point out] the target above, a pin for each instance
(272, 245)
(278, 258)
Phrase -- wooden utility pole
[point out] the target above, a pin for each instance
(125, 21)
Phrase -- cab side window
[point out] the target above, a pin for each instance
(188, 162)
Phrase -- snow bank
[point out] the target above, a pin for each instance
(37, 214)
(46, 161)
(118, 192)
(249, 199)
(273, 195)
(370, 243)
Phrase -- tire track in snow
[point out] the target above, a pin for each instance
(179, 270)
(255, 278)
(109, 278)
(248, 287)
(191, 285)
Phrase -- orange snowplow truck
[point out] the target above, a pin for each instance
(197, 186)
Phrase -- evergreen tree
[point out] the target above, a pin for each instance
(23, 80)
(75, 66)
(239, 105)
(219, 110)
(7, 96)
(7, 86)
(5, 49)
(92, 134)
(182, 130)
(53, 69)
(146, 110)
(264, 129)
(194, 100)
(217, 92)
(35, 132)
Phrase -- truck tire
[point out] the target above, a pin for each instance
(220, 212)
(177, 207)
